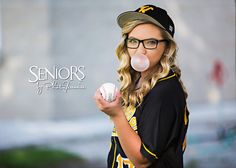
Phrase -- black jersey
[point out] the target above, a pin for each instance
(161, 122)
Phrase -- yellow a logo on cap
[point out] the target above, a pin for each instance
(144, 9)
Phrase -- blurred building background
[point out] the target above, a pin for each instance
(65, 33)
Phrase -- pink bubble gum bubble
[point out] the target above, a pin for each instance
(140, 62)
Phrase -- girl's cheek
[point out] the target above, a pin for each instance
(131, 51)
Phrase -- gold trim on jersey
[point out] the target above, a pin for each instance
(168, 77)
(185, 116)
(153, 154)
(184, 144)
(114, 155)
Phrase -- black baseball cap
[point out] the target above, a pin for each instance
(156, 15)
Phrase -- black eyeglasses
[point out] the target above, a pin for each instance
(150, 44)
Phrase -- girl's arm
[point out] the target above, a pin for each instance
(129, 139)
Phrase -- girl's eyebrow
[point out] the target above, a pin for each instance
(131, 37)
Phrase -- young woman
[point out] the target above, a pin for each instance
(149, 113)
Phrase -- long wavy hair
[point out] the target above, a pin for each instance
(128, 77)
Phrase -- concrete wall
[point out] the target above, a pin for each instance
(64, 33)
(26, 41)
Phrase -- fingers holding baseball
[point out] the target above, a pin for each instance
(110, 108)
(99, 99)
(97, 95)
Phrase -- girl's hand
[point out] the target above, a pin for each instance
(113, 109)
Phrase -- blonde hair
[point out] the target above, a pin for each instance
(128, 76)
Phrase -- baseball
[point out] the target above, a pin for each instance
(108, 91)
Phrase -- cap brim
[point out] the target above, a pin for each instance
(125, 17)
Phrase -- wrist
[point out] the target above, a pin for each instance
(118, 116)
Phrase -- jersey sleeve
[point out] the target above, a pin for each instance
(158, 125)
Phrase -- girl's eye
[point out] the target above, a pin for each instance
(151, 42)
(133, 41)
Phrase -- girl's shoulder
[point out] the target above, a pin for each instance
(167, 87)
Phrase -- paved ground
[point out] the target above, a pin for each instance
(211, 138)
